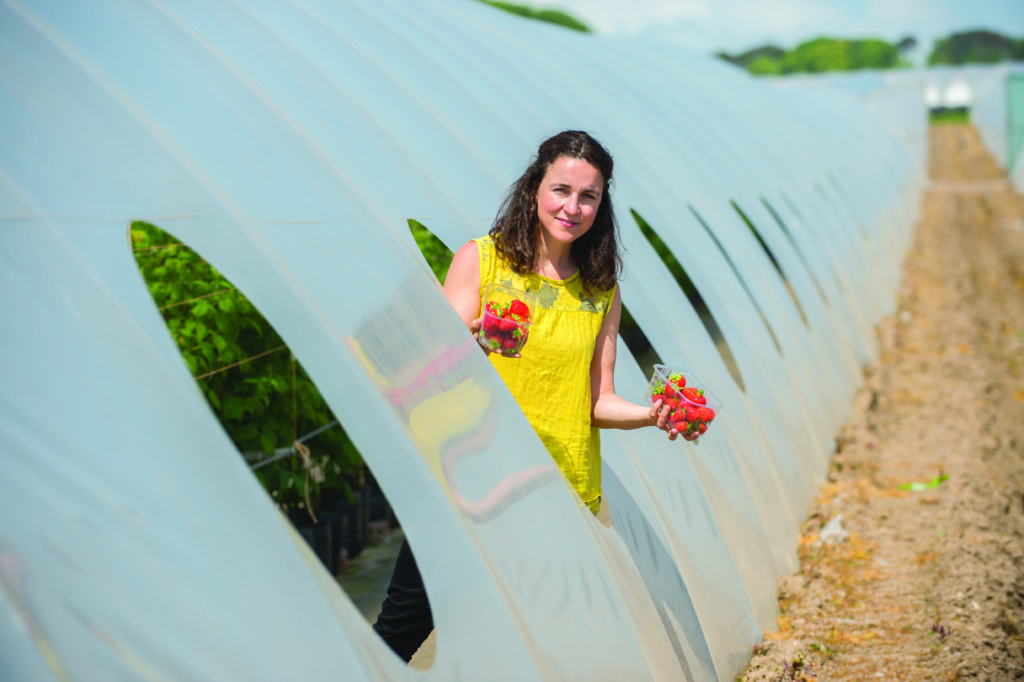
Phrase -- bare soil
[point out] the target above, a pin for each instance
(928, 585)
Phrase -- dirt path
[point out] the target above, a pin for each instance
(929, 583)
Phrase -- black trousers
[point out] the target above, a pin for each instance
(405, 620)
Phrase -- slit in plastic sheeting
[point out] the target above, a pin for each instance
(841, 198)
(736, 272)
(273, 413)
(693, 295)
(774, 261)
(638, 343)
(800, 218)
(435, 252)
(796, 247)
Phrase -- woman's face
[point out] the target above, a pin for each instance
(568, 198)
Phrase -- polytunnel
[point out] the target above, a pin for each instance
(289, 142)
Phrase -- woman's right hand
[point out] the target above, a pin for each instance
(475, 327)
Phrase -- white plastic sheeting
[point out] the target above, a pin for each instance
(288, 142)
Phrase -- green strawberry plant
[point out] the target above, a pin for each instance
(262, 402)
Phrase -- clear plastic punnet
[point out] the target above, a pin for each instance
(692, 408)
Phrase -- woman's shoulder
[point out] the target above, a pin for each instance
(484, 243)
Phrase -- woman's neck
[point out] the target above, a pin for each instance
(554, 260)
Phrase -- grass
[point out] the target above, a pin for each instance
(941, 116)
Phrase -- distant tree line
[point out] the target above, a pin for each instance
(824, 54)
(835, 54)
(976, 47)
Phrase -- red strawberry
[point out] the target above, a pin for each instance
(681, 427)
(678, 379)
(701, 428)
(694, 395)
(509, 343)
(672, 403)
(491, 324)
(670, 391)
(519, 309)
(507, 324)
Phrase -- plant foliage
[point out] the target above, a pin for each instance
(822, 55)
(975, 47)
(438, 256)
(259, 392)
(551, 16)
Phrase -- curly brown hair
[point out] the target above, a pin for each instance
(516, 227)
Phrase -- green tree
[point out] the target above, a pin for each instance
(817, 56)
(872, 53)
(975, 47)
(260, 394)
(765, 60)
(765, 66)
(824, 54)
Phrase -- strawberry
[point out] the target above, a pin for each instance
(491, 324)
(678, 380)
(670, 391)
(694, 395)
(520, 310)
(507, 324)
(701, 428)
(672, 403)
(509, 343)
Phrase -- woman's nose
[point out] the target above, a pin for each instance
(572, 204)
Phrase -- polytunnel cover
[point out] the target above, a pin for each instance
(288, 143)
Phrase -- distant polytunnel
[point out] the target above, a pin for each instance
(289, 143)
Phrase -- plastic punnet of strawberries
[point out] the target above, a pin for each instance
(691, 407)
(505, 326)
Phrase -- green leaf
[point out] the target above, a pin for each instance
(267, 442)
(214, 400)
(917, 487)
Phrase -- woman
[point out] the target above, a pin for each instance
(555, 235)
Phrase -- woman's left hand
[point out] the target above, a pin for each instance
(659, 413)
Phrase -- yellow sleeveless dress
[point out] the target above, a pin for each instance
(551, 381)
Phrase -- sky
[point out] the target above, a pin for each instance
(735, 26)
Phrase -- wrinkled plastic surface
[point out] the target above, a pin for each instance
(288, 143)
